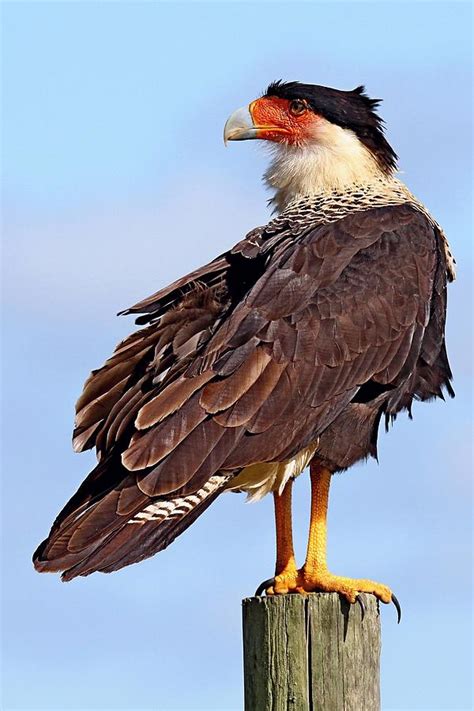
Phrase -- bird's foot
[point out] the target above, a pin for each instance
(324, 581)
(307, 581)
(283, 583)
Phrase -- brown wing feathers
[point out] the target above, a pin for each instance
(116, 391)
(251, 363)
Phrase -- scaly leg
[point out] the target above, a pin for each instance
(285, 567)
(286, 572)
(315, 575)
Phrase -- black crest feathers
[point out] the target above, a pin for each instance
(349, 109)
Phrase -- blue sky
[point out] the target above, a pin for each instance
(116, 181)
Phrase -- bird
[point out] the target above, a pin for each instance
(285, 352)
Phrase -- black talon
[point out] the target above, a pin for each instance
(263, 586)
(398, 608)
(362, 607)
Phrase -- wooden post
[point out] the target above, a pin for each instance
(311, 653)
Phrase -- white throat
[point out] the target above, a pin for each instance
(335, 160)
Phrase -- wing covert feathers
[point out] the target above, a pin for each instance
(289, 339)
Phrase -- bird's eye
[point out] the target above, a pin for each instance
(297, 107)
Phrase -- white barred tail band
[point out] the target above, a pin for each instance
(181, 505)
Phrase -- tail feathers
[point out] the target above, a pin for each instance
(133, 538)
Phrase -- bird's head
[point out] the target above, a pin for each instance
(323, 139)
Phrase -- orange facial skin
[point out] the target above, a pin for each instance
(275, 121)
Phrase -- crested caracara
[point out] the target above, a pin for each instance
(286, 351)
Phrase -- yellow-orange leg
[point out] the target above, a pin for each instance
(285, 566)
(315, 575)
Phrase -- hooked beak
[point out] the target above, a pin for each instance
(254, 121)
(240, 126)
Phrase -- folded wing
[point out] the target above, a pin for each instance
(247, 360)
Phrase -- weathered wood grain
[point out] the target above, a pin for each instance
(311, 653)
